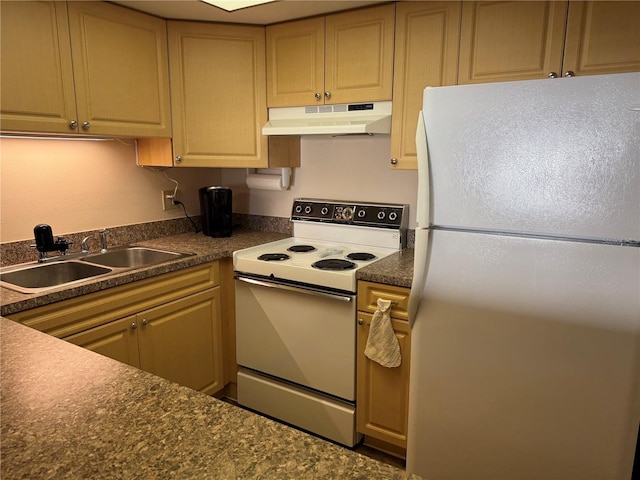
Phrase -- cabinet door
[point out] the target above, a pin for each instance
(426, 54)
(37, 72)
(359, 55)
(295, 63)
(117, 340)
(602, 37)
(182, 341)
(121, 70)
(511, 40)
(383, 393)
(218, 94)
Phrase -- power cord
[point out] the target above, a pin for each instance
(178, 202)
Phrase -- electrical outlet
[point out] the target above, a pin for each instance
(167, 200)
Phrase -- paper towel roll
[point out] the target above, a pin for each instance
(264, 182)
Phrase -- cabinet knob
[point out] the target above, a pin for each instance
(134, 325)
(552, 75)
(394, 161)
(327, 95)
(73, 124)
(145, 322)
(318, 96)
(178, 159)
(86, 125)
(569, 73)
(360, 321)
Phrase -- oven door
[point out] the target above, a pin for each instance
(302, 335)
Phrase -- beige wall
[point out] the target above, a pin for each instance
(77, 186)
(335, 168)
(82, 185)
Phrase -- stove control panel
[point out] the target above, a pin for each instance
(382, 215)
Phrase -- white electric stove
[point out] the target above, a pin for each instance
(296, 313)
(331, 241)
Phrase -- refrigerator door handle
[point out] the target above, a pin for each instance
(423, 206)
(420, 262)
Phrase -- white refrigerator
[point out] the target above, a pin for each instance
(525, 302)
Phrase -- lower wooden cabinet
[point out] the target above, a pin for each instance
(117, 340)
(180, 341)
(383, 393)
(169, 325)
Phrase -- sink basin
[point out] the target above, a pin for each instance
(39, 277)
(132, 257)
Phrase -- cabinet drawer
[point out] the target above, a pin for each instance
(369, 293)
(68, 317)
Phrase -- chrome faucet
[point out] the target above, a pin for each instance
(103, 240)
(84, 247)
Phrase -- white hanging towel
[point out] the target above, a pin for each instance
(382, 344)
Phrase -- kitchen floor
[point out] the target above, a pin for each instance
(362, 449)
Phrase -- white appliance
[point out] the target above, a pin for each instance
(525, 304)
(296, 313)
(339, 119)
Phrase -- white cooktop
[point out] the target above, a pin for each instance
(336, 229)
(298, 267)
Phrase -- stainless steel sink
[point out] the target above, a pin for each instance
(44, 276)
(62, 271)
(132, 257)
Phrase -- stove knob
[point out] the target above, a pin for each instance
(298, 208)
(361, 213)
(324, 210)
(347, 213)
(393, 216)
(307, 209)
(381, 215)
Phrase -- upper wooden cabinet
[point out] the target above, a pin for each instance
(36, 78)
(83, 67)
(426, 54)
(510, 40)
(218, 97)
(295, 63)
(341, 58)
(515, 40)
(602, 37)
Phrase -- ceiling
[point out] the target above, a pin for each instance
(266, 14)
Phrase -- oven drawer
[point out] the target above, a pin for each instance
(368, 294)
(304, 336)
(305, 409)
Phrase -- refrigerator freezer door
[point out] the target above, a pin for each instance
(543, 156)
(525, 360)
(423, 212)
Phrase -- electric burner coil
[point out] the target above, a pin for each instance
(273, 257)
(334, 264)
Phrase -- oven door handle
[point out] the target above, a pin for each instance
(291, 288)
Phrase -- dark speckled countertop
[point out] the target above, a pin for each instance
(206, 249)
(69, 413)
(397, 269)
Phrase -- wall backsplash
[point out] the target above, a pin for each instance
(12, 253)
(80, 187)
(335, 168)
(77, 186)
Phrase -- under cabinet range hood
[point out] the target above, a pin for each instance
(340, 119)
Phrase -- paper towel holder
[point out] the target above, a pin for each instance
(283, 172)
